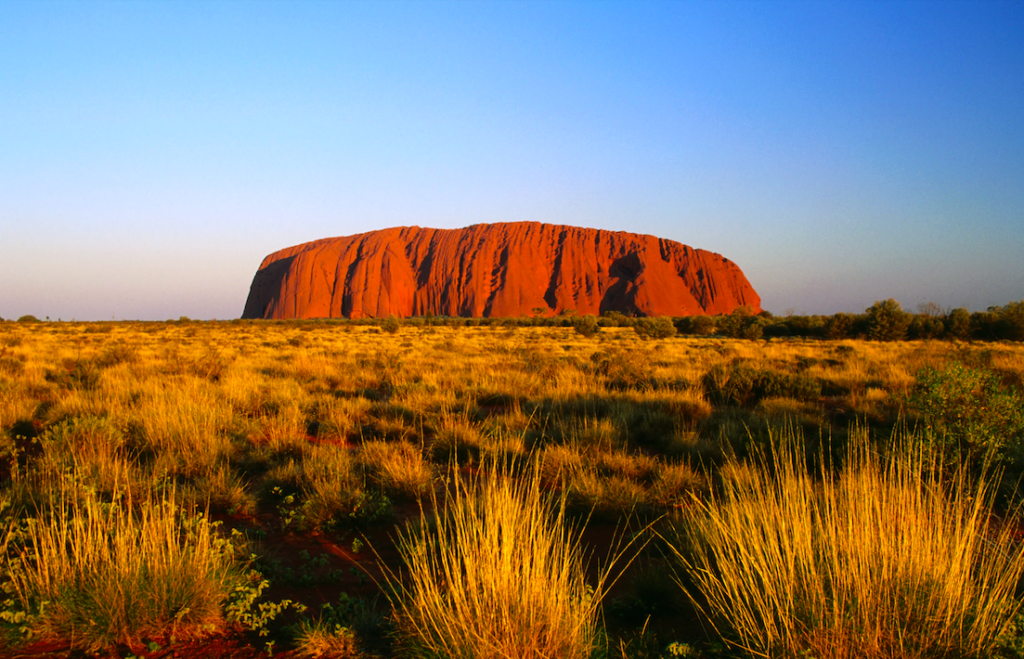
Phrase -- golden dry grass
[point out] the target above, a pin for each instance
(96, 573)
(325, 426)
(495, 571)
(891, 558)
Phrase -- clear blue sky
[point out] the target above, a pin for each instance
(152, 153)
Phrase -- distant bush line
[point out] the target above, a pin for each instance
(885, 320)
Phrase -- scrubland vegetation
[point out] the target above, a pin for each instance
(549, 487)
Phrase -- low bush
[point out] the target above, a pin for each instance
(339, 630)
(391, 324)
(970, 412)
(660, 327)
(805, 326)
(696, 325)
(839, 326)
(586, 325)
(923, 327)
(616, 319)
(1011, 321)
(624, 370)
(740, 385)
(742, 324)
(333, 491)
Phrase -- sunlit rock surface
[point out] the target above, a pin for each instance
(505, 269)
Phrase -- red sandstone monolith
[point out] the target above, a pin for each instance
(506, 269)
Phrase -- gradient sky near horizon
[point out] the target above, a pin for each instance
(152, 153)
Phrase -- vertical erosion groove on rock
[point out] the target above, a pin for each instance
(504, 269)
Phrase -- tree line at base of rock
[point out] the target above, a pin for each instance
(885, 320)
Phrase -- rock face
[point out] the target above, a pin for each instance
(495, 270)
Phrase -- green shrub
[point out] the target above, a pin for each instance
(732, 324)
(586, 325)
(958, 324)
(615, 319)
(926, 327)
(338, 630)
(753, 329)
(1011, 321)
(660, 327)
(887, 321)
(696, 325)
(740, 385)
(807, 326)
(742, 324)
(839, 326)
(391, 324)
(969, 410)
(28, 319)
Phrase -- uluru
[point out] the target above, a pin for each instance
(501, 269)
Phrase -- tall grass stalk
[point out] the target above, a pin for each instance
(889, 558)
(98, 573)
(495, 571)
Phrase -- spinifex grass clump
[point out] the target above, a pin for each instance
(495, 572)
(96, 573)
(888, 558)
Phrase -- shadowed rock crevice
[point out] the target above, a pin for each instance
(269, 279)
(623, 273)
(504, 269)
(556, 268)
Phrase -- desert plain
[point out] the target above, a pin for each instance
(522, 487)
